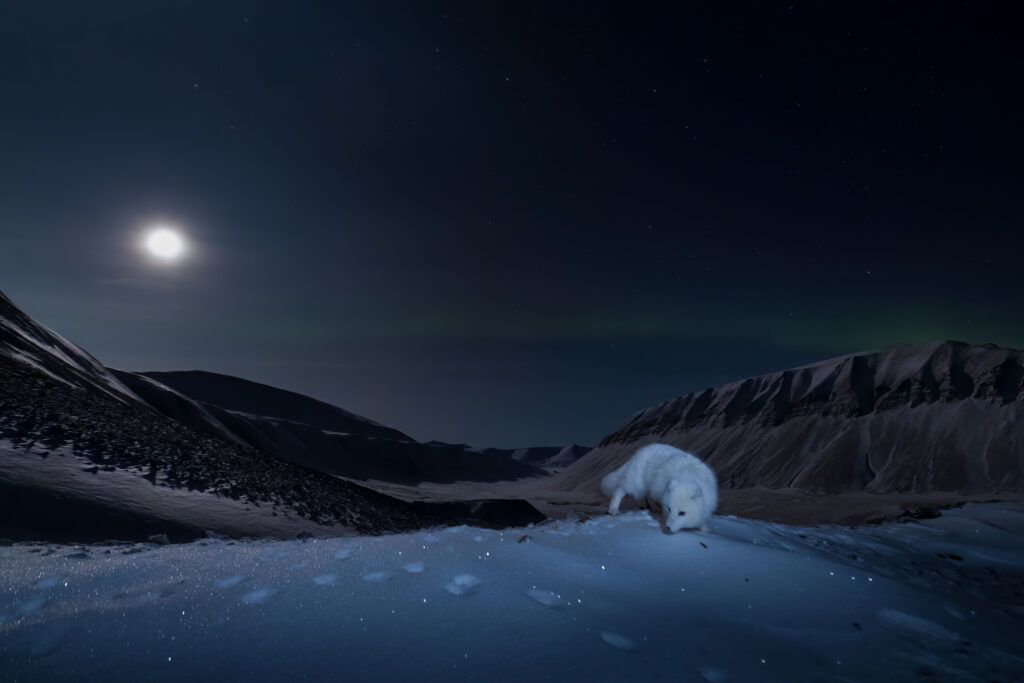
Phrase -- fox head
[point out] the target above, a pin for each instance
(683, 505)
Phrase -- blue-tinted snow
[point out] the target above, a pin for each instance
(606, 599)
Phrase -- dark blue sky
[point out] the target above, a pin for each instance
(510, 223)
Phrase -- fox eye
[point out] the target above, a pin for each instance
(682, 512)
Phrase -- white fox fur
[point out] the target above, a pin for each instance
(663, 476)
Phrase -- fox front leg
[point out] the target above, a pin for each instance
(619, 494)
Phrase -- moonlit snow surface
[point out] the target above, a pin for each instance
(606, 599)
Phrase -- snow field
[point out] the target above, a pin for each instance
(595, 600)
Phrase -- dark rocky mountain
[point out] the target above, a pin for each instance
(82, 457)
(946, 416)
(327, 439)
(242, 396)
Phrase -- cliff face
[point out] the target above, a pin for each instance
(945, 416)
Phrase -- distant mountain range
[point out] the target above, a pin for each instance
(945, 416)
(87, 453)
(307, 432)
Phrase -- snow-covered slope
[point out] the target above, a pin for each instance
(26, 342)
(607, 599)
(940, 417)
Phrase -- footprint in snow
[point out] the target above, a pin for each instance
(546, 598)
(954, 611)
(377, 577)
(618, 642)
(463, 584)
(230, 581)
(414, 567)
(268, 555)
(300, 565)
(258, 596)
(713, 674)
(344, 553)
(47, 582)
(927, 634)
(33, 605)
(325, 579)
(48, 641)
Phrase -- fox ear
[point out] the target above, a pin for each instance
(686, 487)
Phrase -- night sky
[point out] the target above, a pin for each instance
(511, 223)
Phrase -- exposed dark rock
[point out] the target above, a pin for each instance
(501, 514)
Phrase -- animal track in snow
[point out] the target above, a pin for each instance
(463, 584)
(47, 582)
(33, 605)
(617, 641)
(258, 596)
(546, 598)
(230, 581)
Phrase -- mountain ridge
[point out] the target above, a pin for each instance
(327, 438)
(944, 416)
(255, 398)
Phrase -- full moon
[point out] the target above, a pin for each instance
(165, 244)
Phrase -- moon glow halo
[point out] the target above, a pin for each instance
(164, 244)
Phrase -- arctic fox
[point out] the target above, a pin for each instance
(662, 476)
